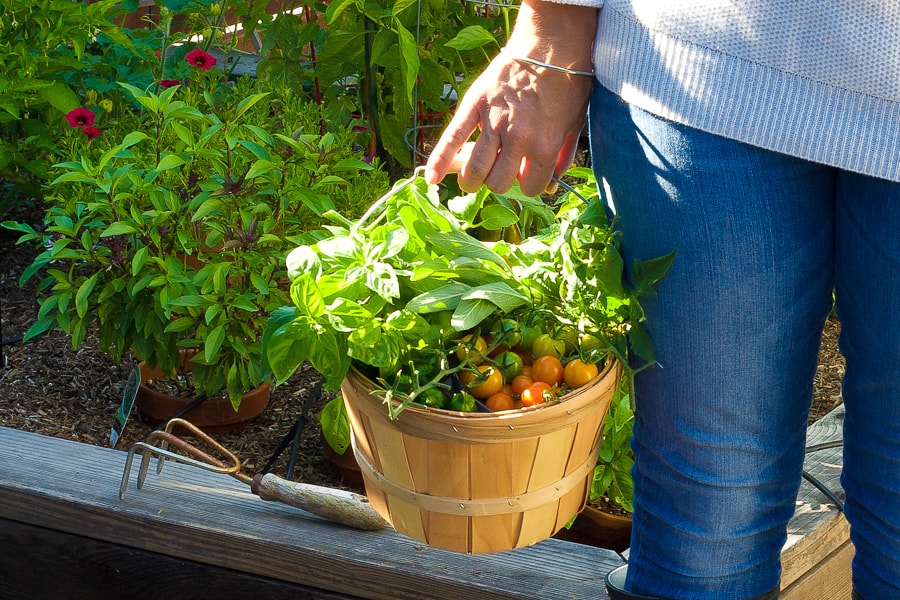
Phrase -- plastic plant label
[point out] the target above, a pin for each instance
(131, 390)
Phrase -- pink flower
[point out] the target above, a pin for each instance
(80, 117)
(91, 132)
(200, 59)
(167, 83)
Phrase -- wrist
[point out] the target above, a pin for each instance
(555, 34)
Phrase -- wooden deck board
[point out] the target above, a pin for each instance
(817, 554)
(212, 519)
(195, 526)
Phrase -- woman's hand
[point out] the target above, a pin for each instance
(529, 117)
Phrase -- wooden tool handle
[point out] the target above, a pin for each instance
(339, 506)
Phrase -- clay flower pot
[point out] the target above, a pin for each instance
(213, 415)
(345, 467)
(593, 527)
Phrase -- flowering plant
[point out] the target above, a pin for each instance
(169, 231)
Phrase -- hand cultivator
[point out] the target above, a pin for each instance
(335, 505)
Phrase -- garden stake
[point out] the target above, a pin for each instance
(335, 505)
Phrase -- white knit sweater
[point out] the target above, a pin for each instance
(813, 79)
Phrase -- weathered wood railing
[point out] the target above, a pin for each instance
(192, 533)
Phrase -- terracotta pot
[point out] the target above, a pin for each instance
(593, 527)
(345, 467)
(213, 415)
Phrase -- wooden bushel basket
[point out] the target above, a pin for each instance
(479, 482)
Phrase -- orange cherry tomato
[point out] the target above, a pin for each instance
(525, 353)
(547, 369)
(534, 393)
(527, 370)
(486, 388)
(578, 373)
(520, 383)
(499, 402)
(472, 349)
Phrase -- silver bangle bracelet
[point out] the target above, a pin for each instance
(543, 65)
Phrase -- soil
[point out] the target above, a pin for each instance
(49, 387)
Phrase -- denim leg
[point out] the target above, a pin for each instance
(867, 272)
(721, 421)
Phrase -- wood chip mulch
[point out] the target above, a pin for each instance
(47, 387)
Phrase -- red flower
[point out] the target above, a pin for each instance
(91, 132)
(80, 117)
(200, 59)
(167, 83)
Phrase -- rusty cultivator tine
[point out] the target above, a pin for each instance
(339, 506)
(195, 458)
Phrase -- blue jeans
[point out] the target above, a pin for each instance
(763, 239)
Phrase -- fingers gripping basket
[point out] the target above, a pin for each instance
(479, 482)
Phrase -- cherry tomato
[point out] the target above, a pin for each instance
(485, 388)
(433, 398)
(506, 331)
(512, 234)
(589, 342)
(520, 383)
(463, 402)
(547, 345)
(547, 369)
(569, 335)
(473, 350)
(535, 393)
(578, 373)
(510, 364)
(527, 370)
(499, 402)
(529, 334)
(524, 354)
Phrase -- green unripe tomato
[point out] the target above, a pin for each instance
(510, 364)
(509, 331)
(547, 345)
(589, 342)
(433, 398)
(529, 334)
(462, 402)
(569, 335)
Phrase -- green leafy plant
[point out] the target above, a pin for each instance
(169, 228)
(373, 293)
(393, 61)
(612, 475)
(42, 43)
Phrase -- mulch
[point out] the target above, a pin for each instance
(50, 388)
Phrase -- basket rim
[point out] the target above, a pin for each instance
(481, 427)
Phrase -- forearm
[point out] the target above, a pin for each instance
(529, 115)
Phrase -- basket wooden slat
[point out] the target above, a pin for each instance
(478, 482)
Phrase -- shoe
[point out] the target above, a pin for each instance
(615, 588)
